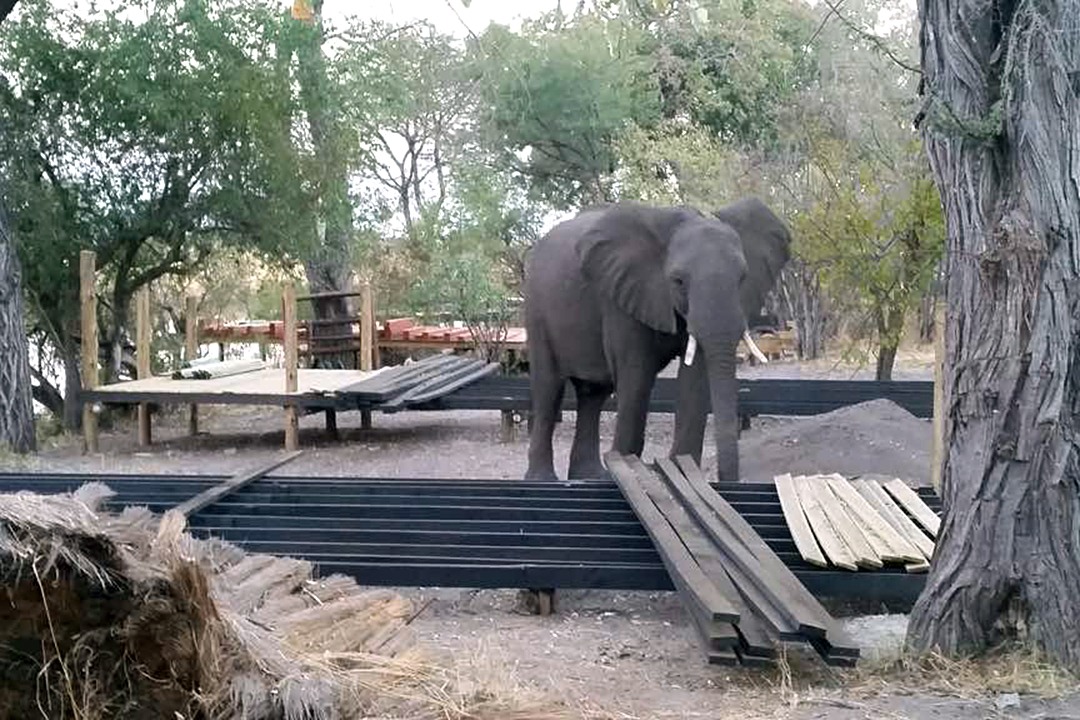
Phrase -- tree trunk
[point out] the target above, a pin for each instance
(801, 295)
(1000, 127)
(16, 404)
(327, 268)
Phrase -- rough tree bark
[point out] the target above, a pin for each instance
(1001, 82)
(800, 292)
(328, 266)
(16, 404)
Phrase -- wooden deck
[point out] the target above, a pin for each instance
(315, 388)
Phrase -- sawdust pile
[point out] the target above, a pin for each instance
(123, 616)
(877, 436)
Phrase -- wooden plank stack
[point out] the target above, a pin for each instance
(861, 523)
(744, 601)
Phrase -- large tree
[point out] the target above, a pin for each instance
(1002, 90)
(151, 135)
(16, 405)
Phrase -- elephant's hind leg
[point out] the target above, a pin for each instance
(585, 461)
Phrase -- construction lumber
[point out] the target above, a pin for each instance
(911, 502)
(288, 315)
(191, 352)
(217, 492)
(742, 566)
(143, 332)
(797, 522)
(754, 637)
(89, 344)
(835, 641)
(888, 509)
(890, 545)
(218, 369)
(836, 550)
(845, 527)
(697, 591)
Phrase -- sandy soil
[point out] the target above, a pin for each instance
(623, 655)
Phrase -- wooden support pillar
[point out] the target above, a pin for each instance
(191, 352)
(142, 357)
(88, 304)
(507, 427)
(367, 341)
(288, 314)
(331, 423)
(367, 327)
(937, 458)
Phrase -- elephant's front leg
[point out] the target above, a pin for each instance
(632, 391)
(691, 408)
(585, 453)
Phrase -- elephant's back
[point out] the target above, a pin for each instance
(562, 312)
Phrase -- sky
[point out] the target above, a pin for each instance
(449, 16)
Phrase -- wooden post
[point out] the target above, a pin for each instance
(507, 427)
(88, 302)
(288, 314)
(191, 351)
(367, 341)
(937, 457)
(367, 327)
(142, 357)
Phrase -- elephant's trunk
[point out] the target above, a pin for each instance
(724, 390)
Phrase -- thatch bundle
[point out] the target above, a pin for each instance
(127, 616)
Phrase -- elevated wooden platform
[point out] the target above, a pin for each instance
(315, 388)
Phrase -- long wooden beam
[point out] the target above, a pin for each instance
(217, 492)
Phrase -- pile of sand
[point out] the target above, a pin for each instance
(876, 437)
(123, 616)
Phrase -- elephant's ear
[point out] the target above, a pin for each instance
(623, 253)
(766, 245)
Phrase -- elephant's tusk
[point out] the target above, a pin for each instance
(754, 349)
(691, 349)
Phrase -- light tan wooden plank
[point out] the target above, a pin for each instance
(918, 567)
(191, 352)
(831, 543)
(889, 544)
(89, 344)
(914, 504)
(263, 382)
(937, 454)
(883, 503)
(797, 522)
(292, 428)
(142, 357)
(846, 528)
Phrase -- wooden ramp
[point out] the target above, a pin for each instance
(853, 524)
(743, 599)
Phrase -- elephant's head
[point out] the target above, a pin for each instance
(675, 267)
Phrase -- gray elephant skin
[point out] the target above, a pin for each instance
(612, 296)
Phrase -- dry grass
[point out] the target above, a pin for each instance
(127, 617)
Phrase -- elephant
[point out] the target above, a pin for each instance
(615, 293)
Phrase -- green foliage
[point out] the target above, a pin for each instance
(874, 234)
(151, 134)
(554, 99)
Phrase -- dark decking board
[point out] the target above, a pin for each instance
(685, 573)
(805, 606)
(767, 597)
(398, 551)
(722, 543)
(756, 638)
(756, 397)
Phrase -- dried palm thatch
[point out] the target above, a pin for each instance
(127, 616)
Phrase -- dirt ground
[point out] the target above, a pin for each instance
(616, 654)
